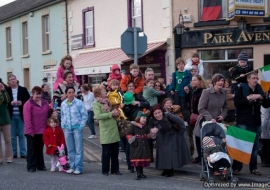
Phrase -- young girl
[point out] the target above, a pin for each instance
(65, 65)
(53, 137)
(116, 74)
(150, 94)
(174, 109)
(137, 136)
(195, 60)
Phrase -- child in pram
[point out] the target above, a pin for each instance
(216, 157)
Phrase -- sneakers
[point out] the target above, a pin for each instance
(77, 172)
(52, 169)
(92, 137)
(216, 173)
(70, 171)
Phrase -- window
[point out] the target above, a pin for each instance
(45, 33)
(212, 10)
(220, 61)
(25, 38)
(135, 13)
(88, 27)
(8, 42)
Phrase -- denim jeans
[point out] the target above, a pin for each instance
(74, 142)
(17, 129)
(253, 160)
(90, 122)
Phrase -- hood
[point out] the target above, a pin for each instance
(114, 67)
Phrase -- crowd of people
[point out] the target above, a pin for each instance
(136, 111)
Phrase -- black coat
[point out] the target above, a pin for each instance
(248, 114)
(194, 100)
(237, 71)
(23, 96)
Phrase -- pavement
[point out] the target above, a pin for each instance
(194, 169)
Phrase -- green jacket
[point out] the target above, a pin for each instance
(4, 114)
(150, 94)
(107, 125)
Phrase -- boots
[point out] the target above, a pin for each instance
(142, 175)
(139, 175)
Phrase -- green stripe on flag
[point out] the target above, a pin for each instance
(241, 134)
(265, 68)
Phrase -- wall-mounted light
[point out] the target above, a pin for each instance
(31, 14)
(242, 23)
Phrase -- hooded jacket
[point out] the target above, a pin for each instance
(113, 75)
(188, 66)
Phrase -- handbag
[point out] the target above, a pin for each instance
(193, 118)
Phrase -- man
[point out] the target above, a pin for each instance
(249, 118)
(59, 95)
(149, 74)
(18, 96)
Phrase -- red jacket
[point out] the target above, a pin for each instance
(53, 138)
(113, 75)
(138, 82)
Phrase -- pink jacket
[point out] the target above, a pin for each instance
(60, 76)
(35, 117)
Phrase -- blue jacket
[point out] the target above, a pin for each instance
(185, 82)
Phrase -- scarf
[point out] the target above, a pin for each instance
(196, 63)
(105, 102)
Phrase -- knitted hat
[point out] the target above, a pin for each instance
(128, 98)
(208, 142)
(243, 56)
(143, 113)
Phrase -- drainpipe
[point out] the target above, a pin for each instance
(66, 7)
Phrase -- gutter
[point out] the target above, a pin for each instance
(66, 7)
(31, 10)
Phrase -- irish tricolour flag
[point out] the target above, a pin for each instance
(265, 81)
(240, 144)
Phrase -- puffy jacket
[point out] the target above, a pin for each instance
(113, 75)
(188, 66)
(185, 82)
(138, 82)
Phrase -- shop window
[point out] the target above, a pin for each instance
(88, 27)
(212, 10)
(135, 13)
(220, 61)
(266, 59)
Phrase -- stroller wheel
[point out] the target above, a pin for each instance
(211, 181)
(234, 181)
(224, 177)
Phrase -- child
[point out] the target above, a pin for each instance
(195, 60)
(53, 136)
(239, 72)
(136, 77)
(115, 74)
(194, 70)
(150, 94)
(65, 65)
(137, 136)
(180, 79)
(212, 151)
(174, 109)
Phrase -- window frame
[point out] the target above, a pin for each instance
(25, 38)
(200, 12)
(8, 43)
(88, 9)
(46, 33)
(130, 13)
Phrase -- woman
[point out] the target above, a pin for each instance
(149, 92)
(73, 120)
(172, 147)
(212, 105)
(36, 112)
(109, 135)
(5, 125)
(231, 109)
(88, 99)
(159, 87)
(197, 86)
(45, 94)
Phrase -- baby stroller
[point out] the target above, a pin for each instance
(216, 132)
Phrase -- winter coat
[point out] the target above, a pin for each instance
(265, 115)
(185, 82)
(237, 71)
(139, 149)
(23, 96)
(150, 94)
(113, 75)
(194, 100)
(138, 82)
(107, 125)
(4, 114)
(46, 96)
(172, 147)
(60, 76)
(53, 138)
(211, 150)
(35, 117)
(189, 64)
(211, 105)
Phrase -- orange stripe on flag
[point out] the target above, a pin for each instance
(239, 155)
(265, 85)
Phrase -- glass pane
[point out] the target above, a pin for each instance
(47, 42)
(222, 12)
(137, 11)
(138, 22)
(233, 53)
(26, 47)
(213, 54)
(25, 30)
(47, 24)
(89, 18)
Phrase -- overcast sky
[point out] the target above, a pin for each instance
(3, 2)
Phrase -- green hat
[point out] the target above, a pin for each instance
(142, 114)
(128, 98)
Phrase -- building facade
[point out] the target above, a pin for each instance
(214, 29)
(95, 29)
(33, 38)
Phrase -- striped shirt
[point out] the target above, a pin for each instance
(15, 94)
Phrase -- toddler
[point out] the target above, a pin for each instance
(195, 60)
(116, 74)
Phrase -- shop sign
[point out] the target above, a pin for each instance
(76, 42)
(226, 37)
(246, 8)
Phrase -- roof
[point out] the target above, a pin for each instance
(18, 7)
(108, 57)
